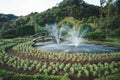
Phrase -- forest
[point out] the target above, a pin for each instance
(104, 19)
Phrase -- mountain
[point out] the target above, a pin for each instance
(7, 17)
(77, 9)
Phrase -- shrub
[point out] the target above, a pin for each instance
(45, 71)
(86, 72)
(66, 75)
(61, 66)
(72, 70)
(79, 75)
(106, 72)
(94, 73)
(96, 35)
(110, 77)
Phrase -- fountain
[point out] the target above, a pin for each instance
(75, 38)
(71, 35)
(72, 41)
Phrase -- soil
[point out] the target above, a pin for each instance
(20, 55)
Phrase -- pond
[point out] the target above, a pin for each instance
(70, 48)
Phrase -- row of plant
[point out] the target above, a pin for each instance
(16, 40)
(20, 64)
(27, 50)
(6, 45)
(110, 77)
(7, 75)
(95, 70)
(57, 68)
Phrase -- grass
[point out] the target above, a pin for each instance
(113, 41)
(19, 39)
(108, 41)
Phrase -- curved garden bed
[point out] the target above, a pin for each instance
(12, 65)
(23, 58)
(76, 66)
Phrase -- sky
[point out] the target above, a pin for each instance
(24, 7)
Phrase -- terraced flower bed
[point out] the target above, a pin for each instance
(23, 58)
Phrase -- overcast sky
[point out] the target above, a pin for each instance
(24, 7)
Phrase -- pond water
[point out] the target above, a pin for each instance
(70, 48)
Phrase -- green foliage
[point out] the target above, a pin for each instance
(66, 75)
(61, 66)
(96, 35)
(8, 34)
(70, 21)
(86, 27)
(45, 71)
(72, 70)
(5, 75)
(86, 72)
(110, 77)
(7, 17)
(92, 19)
(65, 78)
(77, 9)
(115, 33)
(79, 75)
(117, 5)
(76, 12)
(25, 30)
(57, 68)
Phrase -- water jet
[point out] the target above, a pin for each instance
(73, 42)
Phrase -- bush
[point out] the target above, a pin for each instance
(96, 35)
(8, 34)
(86, 27)
(115, 33)
(6, 75)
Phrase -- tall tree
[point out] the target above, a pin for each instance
(110, 8)
(117, 5)
(102, 3)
